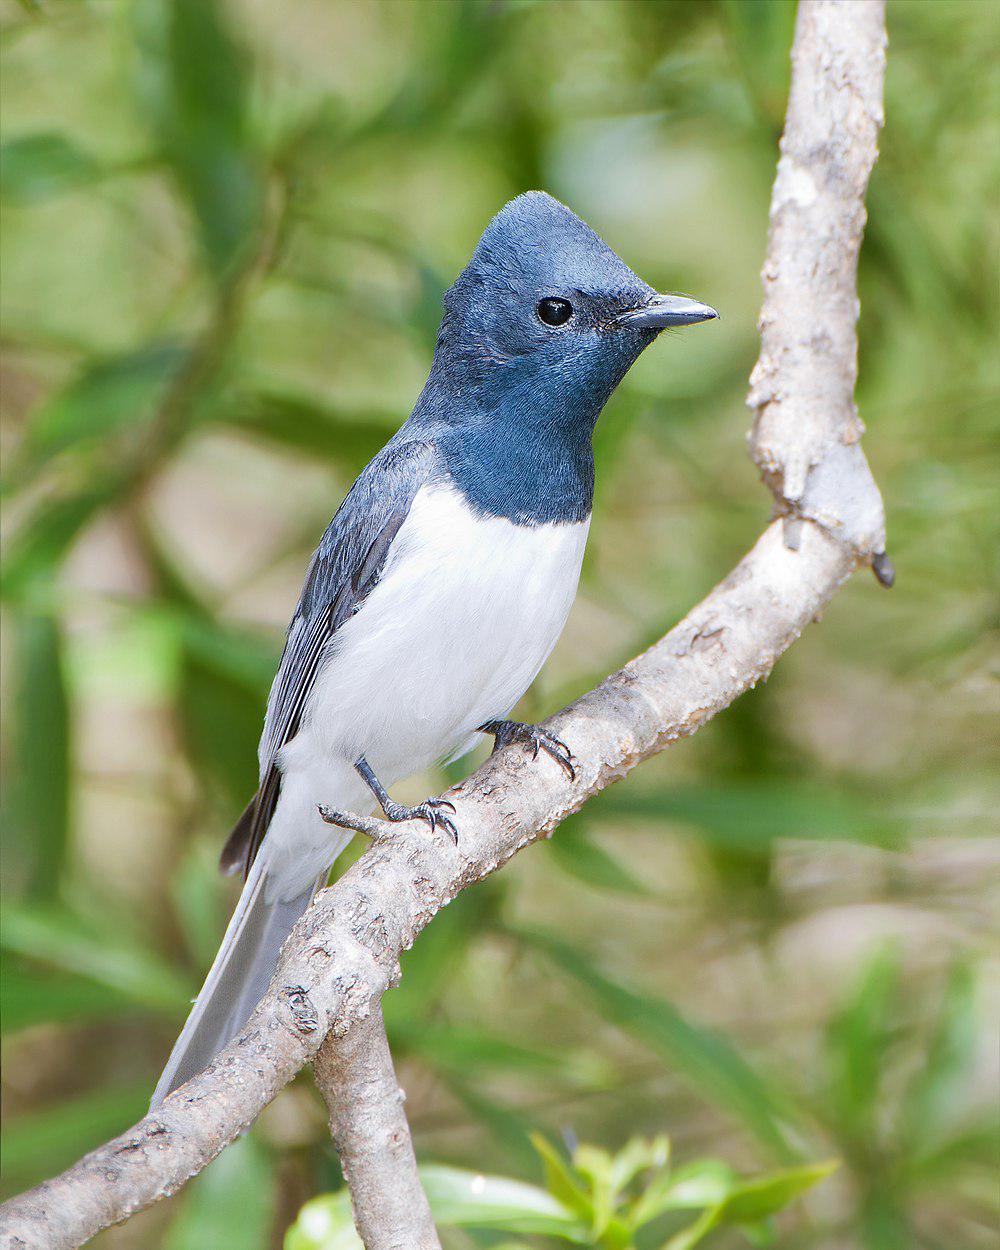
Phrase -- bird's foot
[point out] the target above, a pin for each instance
(507, 731)
(432, 810)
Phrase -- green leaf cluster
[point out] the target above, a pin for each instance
(592, 1198)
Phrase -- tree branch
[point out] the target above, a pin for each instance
(369, 1129)
(344, 952)
(806, 431)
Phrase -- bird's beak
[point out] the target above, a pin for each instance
(662, 311)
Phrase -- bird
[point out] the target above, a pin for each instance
(443, 581)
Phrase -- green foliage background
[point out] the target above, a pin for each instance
(226, 230)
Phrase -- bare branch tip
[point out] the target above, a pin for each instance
(370, 826)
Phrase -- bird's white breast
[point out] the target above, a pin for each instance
(465, 614)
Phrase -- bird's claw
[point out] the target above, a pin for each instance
(560, 752)
(431, 810)
(508, 731)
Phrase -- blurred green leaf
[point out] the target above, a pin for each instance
(243, 656)
(639, 1154)
(469, 1050)
(595, 1165)
(324, 1223)
(42, 541)
(760, 33)
(580, 856)
(570, 1212)
(38, 165)
(930, 1101)
(458, 1199)
(30, 996)
(703, 1055)
(464, 1199)
(462, 1057)
(882, 1223)
(108, 396)
(225, 674)
(41, 1143)
(858, 1043)
(749, 1202)
(460, 40)
(193, 85)
(221, 720)
(62, 941)
(432, 964)
(230, 1205)
(508, 1127)
(39, 798)
(346, 439)
(937, 1163)
(751, 815)
(198, 892)
(694, 1233)
(560, 1180)
(703, 1183)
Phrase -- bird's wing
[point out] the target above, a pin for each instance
(346, 567)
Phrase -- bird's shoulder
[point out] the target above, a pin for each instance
(344, 569)
(352, 551)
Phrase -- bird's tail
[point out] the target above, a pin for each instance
(237, 980)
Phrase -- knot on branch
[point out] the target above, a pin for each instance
(834, 488)
(304, 1015)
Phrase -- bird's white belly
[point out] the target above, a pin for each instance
(465, 614)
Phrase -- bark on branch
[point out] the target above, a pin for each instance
(806, 431)
(369, 1129)
(344, 953)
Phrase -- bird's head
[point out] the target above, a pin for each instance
(546, 310)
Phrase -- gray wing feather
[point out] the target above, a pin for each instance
(345, 569)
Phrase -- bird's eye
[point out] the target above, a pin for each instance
(554, 312)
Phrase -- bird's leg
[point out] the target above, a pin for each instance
(432, 810)
(506, 731)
